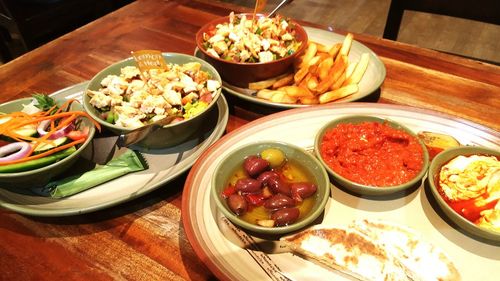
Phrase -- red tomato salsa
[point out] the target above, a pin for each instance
(372, 153)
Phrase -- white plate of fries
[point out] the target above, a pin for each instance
(333, 68)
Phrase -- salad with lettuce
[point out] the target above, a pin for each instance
(42, 133)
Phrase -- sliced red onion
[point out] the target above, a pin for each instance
(14, 151)
(57, 134)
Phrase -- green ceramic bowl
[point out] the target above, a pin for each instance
(235, 159)
(362, 189)
(432, 179)
(41, 175)
(169, 135)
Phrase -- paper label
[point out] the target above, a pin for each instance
(149, 59)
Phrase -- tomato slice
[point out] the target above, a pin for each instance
(78, 135)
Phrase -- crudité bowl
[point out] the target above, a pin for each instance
(349, 157)
(241, 73)
(41, 174)
(231, 168)
(171, 134)
(433, 179)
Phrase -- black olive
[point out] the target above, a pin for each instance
(279, 201)
(237, 204)
(254, 166)
(285, 216)
(248, 185)
(302, 190)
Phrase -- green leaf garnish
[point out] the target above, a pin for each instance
(44, 102)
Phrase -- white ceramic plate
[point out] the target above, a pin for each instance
(164, 166)
(299, 126)
(371, 81)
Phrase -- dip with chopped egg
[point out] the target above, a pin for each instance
(471, 186)
(132, 99)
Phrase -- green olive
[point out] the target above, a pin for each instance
(274, 156)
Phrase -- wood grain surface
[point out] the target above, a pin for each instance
(144, 239)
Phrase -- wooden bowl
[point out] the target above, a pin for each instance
(240, 74)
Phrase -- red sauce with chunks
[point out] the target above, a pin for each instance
(372, 153)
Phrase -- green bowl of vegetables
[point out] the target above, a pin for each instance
(40, 139)
(122, 99)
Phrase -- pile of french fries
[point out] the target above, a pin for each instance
(322, 74)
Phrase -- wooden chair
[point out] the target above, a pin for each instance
(487, 11)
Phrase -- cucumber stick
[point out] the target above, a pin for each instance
(37, 163)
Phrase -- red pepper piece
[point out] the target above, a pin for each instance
(230, 190)
(256, 199)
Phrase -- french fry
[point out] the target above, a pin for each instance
(346, 45)
(338, 94)
(262, 84)
(334, 74)
(287, 80)
(300, 74)
(282, 97)
(339, 82)
(313, 64)
(324, 68)
(359, 71)
(350, 69)
(322, 74)
(334, 50)
(312, 82)
(295, 91)
(309, 54)
(306, 100)
(322, 48)
(266, 94)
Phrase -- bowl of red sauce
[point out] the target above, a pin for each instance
(371, 156)
(465, 181)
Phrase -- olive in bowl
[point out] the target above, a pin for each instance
(122, 99)
(243, 52)
(53, 150)
(371, 156)
(270, 187)
(465, 181)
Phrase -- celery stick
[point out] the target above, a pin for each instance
(37, 163)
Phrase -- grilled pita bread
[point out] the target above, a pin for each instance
(348, 251)
(422, 260)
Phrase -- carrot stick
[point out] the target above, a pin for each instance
(66, 105)
(55, 116)
(43, 154)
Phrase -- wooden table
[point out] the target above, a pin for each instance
(144, 238)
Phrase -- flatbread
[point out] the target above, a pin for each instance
(422, 260)
(348, 251)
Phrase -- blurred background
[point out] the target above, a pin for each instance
(27, 24)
